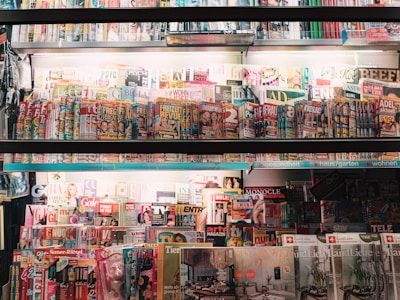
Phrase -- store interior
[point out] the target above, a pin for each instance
(321, 172)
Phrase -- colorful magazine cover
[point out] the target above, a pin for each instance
(147, 276)
(179, 236)
(311, 112)
(187, 214)
(265, 272)
(242, 206)
(168, 262)
(167, 119)
(247, 127)
(230, 121)
(140, 121)
(107, 121)
(239, 235)
(210, 120)
(106, 214)
(388, 112)
(130, 255)
(269, 121)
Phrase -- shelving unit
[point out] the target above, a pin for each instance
(200, 14)
(345, 14)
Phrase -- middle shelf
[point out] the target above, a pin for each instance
(233, 166)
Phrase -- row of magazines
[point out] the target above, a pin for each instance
(333, 266)
(157, 31)
(255, 160)
(171, 119)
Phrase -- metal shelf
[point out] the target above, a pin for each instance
(169, 166)
(326, 164)
(203, 146)
(186, 14)
(161, 46)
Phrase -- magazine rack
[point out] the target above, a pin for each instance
(345, 14)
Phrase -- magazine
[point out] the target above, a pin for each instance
(247, 126)
(390, 261)
(216, 234)
(168, 266)
(265, 272)
(310, 264)
(167, 119)
(230, 121)
(210, 120)
(354, 262)
(207, 272)
(107, 121)
(106, 214)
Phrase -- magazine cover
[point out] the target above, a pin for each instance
(147, 276)
(167, 119)
(139, 121)
(86, 209)
(216, 234)
(278, 95)
(135, 235)
(161, 214)
(311, 112)
(230, 121)
(35, 214)
(264, 236)
(388, 111)
(107, 121)
(168, 266)
(63, 194)
(223, 93)
(310, 264)
(179, 236)
(390, 250)
(247, 127)
(207, 273)
(242, 206)
(208, 199)
(187, 214)
(106, 214)
(353, 272)
(217, 208)
(210, 120)
(239, 234)
(265, 272)
(130, 255)
(263, 198)
(269, 121)
(130, 213)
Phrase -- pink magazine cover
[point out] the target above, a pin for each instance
(35, 214)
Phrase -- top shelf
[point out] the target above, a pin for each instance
(207, 14)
